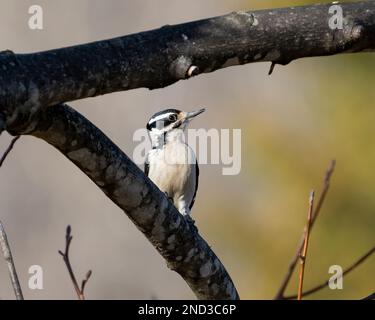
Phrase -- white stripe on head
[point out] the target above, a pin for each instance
(161, 117)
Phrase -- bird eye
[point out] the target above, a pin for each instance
(172, 117)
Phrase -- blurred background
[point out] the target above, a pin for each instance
(293, 123)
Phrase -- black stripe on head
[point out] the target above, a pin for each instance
(149, 126)
(165, 111)
(165, 122)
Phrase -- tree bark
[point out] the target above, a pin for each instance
(157, 58)
(176, 238)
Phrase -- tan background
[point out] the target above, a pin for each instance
(292, 124)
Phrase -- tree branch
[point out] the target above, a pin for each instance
(293, 263)
(370, 297)
(9, 260)
(175, 237)
(2, 124)
(158, 58)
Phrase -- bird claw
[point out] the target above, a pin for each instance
(169, 198)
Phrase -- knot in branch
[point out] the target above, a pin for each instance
(353, 33)
(183, 68)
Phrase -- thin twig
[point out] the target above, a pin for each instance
(9, 149)
(294, 261)
(345, 272)
(303, 255)
(79, 290)
(9, 260)
(272, 67)
(88, 275)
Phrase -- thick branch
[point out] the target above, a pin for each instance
(175, 237)
(370, 297)
(158, 58)
(2, 124)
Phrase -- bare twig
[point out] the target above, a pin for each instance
(9, 260)
(9, 149)
(79, 290)
(345, 272)
(272, 67)
(303, 255)
(294, 261)
(88, 275)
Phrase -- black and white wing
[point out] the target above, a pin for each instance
(196, 184)
(146, 167)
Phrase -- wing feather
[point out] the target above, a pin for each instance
(146, 167)
(196, 184)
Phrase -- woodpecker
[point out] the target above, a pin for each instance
(171, 164)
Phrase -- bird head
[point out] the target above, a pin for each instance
(171, 119)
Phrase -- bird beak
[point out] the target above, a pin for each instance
(192, 114)
(187, 116)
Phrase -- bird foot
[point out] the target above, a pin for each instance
(169, 198)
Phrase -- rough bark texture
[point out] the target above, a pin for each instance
(158, 58)
(175, 237)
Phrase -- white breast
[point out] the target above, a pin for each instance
(173, 169)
